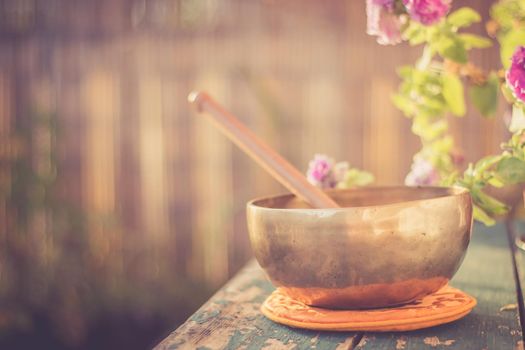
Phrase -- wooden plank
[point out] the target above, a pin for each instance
(211, 189)
(487, 275)
(382, 128)
(151, 144)
(517, 236)
(231, 320)
(100, 93)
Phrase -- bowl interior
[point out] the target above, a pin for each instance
(364, 197)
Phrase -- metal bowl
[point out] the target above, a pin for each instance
(386, 246)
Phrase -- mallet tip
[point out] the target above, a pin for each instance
(196, 98)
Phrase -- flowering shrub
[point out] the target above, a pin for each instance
(324, 172)
(516, 74)
(383, 21)
(422, 173)
(435, 87)
(321, 172)
(427, 12)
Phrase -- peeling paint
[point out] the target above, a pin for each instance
(205, 316)
(509, 307)
(274, 344)
(364, 340)
(434, 341)
(401, 343)
(248, 295)
(346, 344)
(314, 342)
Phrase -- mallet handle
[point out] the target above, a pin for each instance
(270, 160)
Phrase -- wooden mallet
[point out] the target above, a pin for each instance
(264, 155)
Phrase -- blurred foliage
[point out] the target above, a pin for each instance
(434, 88)
(52, 273)
(355, 178)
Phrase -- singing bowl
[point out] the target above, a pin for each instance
(385, 246)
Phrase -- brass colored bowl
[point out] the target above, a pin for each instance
(385, 246)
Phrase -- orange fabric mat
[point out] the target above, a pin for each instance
(446, 305)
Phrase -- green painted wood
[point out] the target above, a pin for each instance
(231, 320)
(487, 275)
(517, 230)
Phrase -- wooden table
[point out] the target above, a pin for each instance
(491, 273)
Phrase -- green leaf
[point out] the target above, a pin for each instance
(452, 48)
(482, 216)
(453, 94)
(486, 162)
(463, 17)
(489, 203)
(405, 104)
(405, 71)
(496, 181)
(485, 97)
(427, 130)
(506, 91)
(432, 102)
(355, 177)
(450, 179)
(415, 33)
(511, 170)
(475, 41)
(507, 12)
(508, 44)
(517, 123)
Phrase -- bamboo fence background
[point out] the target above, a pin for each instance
(93, 99)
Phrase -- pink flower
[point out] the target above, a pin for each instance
(427, 12)
(422, 173)
(383, 22)
(320, 172)
(516, 74)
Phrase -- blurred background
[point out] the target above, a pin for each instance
(121, 210)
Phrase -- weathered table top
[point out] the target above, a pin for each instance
(231, 318)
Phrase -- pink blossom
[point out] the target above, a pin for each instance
(383, 22)
(427, 12)
(422, 173)
(516, 74)
(320, 172)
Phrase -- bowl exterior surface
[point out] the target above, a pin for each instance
(385, 246)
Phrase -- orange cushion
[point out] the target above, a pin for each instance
(446, 305)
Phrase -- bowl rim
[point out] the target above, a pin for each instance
(454, 191)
